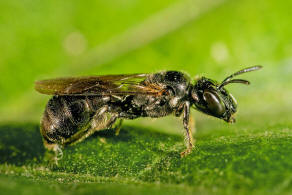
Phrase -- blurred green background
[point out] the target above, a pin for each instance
(214, 38)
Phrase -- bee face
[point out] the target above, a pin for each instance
(230, 104)
(211, 100)
(210, 97)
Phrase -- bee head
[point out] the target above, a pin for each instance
(212, 98)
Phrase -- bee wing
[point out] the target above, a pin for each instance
(99, 85)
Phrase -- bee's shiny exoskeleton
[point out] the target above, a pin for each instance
(82, 105)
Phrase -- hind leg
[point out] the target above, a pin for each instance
(53, 153)
(100, 121)
(53, 145)
(115, 123)
(54, 149)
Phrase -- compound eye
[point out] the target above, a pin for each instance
(214, 103)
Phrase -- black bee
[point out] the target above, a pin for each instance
(81, 106)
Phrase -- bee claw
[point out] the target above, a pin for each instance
(59, 153)
(186, 152)
(53, 155)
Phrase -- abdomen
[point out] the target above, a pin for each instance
(64, 116)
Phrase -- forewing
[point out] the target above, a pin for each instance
(99, 85)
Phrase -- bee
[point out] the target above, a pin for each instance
(81, 106)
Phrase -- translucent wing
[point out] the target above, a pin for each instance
(100, 85)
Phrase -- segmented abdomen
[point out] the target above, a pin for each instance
(64, 116)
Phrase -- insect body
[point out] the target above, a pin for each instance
(81, 106)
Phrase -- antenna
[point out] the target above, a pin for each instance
(228, 80)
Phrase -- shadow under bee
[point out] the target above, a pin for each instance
(20, 144)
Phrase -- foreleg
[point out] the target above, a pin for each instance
(188, 130)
